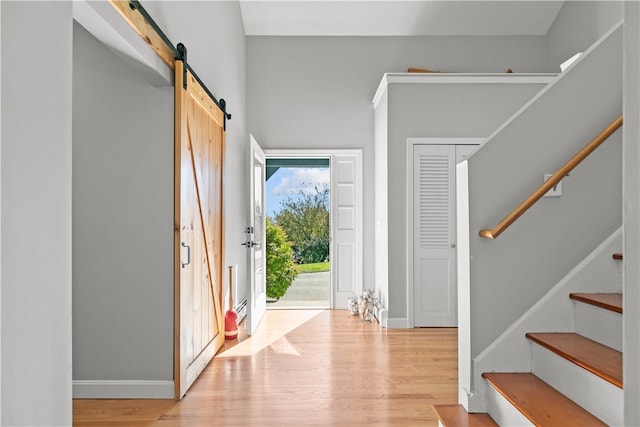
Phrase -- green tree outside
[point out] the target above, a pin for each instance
(305, 219)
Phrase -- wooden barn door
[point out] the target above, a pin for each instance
(199, 154)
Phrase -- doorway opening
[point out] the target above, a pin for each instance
(298, 234)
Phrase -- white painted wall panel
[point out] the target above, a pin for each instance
(345, 218)
(346, 272)
(346, 195)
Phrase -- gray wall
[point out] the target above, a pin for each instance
(435, 110)
(122, 219)
(213, 33)
(578, 25)
(316, 92)
(36, 213)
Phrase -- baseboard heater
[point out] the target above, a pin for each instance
(241, 309)
(380, 312)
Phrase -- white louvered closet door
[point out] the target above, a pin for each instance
(434, 235)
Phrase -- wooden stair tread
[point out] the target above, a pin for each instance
(600, 360)
(608, 301)
(457, 416)
(539, 402)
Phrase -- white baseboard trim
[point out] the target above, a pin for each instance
(397, 323)
(126, 389)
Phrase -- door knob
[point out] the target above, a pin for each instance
(453, 245)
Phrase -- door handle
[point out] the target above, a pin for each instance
(249, 244)
(184, 264)
(453, 246)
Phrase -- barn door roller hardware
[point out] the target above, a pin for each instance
(180, 54)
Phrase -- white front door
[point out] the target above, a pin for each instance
(347, 247)
(256, 239)
(434, 241)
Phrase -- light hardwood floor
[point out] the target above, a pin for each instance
(306, 368)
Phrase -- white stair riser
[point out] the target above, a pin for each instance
(599, 324)
(503, 412)
(603, 399)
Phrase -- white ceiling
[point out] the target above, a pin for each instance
(397, 17)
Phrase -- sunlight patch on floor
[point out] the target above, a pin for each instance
(272, 332)
(284, 347)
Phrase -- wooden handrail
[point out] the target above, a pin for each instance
(553, 181)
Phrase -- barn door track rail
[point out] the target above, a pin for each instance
(179, 54)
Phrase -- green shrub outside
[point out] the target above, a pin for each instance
(281, 270)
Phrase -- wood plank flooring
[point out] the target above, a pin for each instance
(306, 368)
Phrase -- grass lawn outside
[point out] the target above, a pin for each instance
(313, 268)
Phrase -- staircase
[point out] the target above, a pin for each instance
(545, 255)
(552, 353)
(576, 377)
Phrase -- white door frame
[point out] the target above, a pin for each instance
(330, 154)
(411, 142)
